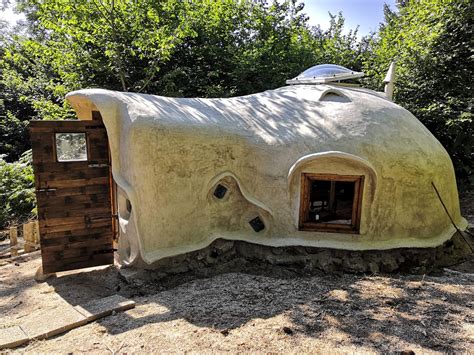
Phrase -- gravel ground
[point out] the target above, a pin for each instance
(259, 309)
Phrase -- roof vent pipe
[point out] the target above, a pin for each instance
(389, 81)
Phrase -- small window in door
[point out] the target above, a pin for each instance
(71, 147)
(330, 203)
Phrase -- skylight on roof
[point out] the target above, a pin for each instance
(324, 73)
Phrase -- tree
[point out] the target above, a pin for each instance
(207, 49)
(432, 42)
(17, 194)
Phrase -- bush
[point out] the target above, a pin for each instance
(17, 194)
(432, 42)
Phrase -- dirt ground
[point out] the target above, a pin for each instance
(257, 308)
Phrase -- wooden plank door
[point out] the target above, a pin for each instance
(72, 180)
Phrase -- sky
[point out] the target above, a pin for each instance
(365, 13)
(9, 16)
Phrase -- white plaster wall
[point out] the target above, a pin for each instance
(169, 153)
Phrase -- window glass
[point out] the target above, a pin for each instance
(71, 147)
(324, 73)
(330, 202)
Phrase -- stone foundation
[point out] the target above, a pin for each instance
(308, 259)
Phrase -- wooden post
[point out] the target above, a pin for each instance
(13, 241)
(36, 232)
(28, 237)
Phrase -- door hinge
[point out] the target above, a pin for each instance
(115, 215)
(45, 190)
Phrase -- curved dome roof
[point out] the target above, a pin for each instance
(168, 154)
(324, 73)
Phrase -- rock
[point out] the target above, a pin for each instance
(374, 267)
(277, 251)
(223, 246)
(211, 260)
(389, 264)
(41, 277)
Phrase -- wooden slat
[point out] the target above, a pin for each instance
(78, 263)
(47, 200)
(92, 244)
(65, 213)
(96, 223)
(72, 254)
(77, 190)
(43, 148)
(100, 151)
(86, 173)
(76, 234)
(59, 167)
(72, 183)
(70, 201)
(73, 211)
(60, 259)
(48, 126)
(74, 220)
(64, 243)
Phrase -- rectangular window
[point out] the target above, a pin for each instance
(330, 203)
(71, 147)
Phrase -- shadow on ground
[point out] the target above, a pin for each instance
(375, 311)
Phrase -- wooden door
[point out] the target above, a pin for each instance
(73, 190)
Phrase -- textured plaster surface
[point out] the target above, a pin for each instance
(168, 154)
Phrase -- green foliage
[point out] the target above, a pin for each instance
(220, 49)
(207, 48)
(432, 42)
(13, 136)
(173, 48)
(17, 195)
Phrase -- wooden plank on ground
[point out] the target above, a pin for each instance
(12, 337)
(104, 307)
(61, 319)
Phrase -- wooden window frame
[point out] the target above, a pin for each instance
(354, 227)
